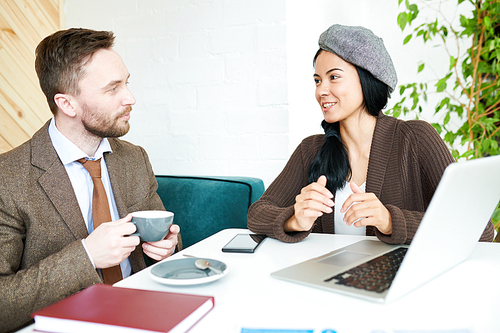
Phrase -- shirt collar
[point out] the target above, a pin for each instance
(68, 152)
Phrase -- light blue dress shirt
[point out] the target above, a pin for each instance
(82, 183)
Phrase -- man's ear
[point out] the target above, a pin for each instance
(65, 103)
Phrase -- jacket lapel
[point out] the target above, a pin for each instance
(55, 182)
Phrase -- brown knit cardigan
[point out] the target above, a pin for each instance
(407, 160)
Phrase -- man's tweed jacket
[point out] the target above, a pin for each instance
(42, 259)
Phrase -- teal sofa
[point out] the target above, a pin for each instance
(205, 205)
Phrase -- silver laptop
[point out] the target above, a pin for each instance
(463, 203)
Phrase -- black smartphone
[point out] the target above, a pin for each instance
(244, 243)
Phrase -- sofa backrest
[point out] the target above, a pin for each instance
(205, 205)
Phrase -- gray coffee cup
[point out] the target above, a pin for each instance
(152, 225)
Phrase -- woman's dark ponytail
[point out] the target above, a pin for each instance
(331, 160)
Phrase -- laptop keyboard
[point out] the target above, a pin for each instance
(374, 275)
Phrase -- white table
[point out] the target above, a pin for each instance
(465, 298)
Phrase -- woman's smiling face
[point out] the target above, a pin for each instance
(338, 88)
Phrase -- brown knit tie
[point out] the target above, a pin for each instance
(100, 212)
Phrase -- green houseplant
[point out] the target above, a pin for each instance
(468, 94)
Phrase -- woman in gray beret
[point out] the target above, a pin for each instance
(370, 174)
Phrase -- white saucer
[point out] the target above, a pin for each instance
(182, 272)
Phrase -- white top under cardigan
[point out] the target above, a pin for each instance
(340, 226)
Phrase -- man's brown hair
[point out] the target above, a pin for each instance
(61, 59)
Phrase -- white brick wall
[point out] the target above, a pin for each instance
(209, 78)
(224, 87)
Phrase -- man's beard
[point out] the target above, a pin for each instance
(99, 125)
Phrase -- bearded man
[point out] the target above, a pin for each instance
(50, 244)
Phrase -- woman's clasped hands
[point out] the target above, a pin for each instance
(360, 208)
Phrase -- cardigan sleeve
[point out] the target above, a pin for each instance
(268, 214)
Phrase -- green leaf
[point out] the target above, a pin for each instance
(433, 27)
(488, 144)
(426, 36)
(445, 101)
(487, 22)
(494, 145)
(482, 67)
(445, 31)
(464, 22)
(453, 61)
(437, 127)
(413, 13)
(402, 20)
(441, 86)
(446, 119)
(421, 68)
(496, 215)
(450, 137)
(414, 95)
(468, 153)
(407, 39)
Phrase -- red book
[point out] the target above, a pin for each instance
(103, 308)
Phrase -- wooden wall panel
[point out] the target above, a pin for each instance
(23, 107)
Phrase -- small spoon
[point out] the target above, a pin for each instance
(203, 264)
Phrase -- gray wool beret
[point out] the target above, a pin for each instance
(361, 47)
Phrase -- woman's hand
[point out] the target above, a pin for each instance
(362, 209)
(313, 201)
